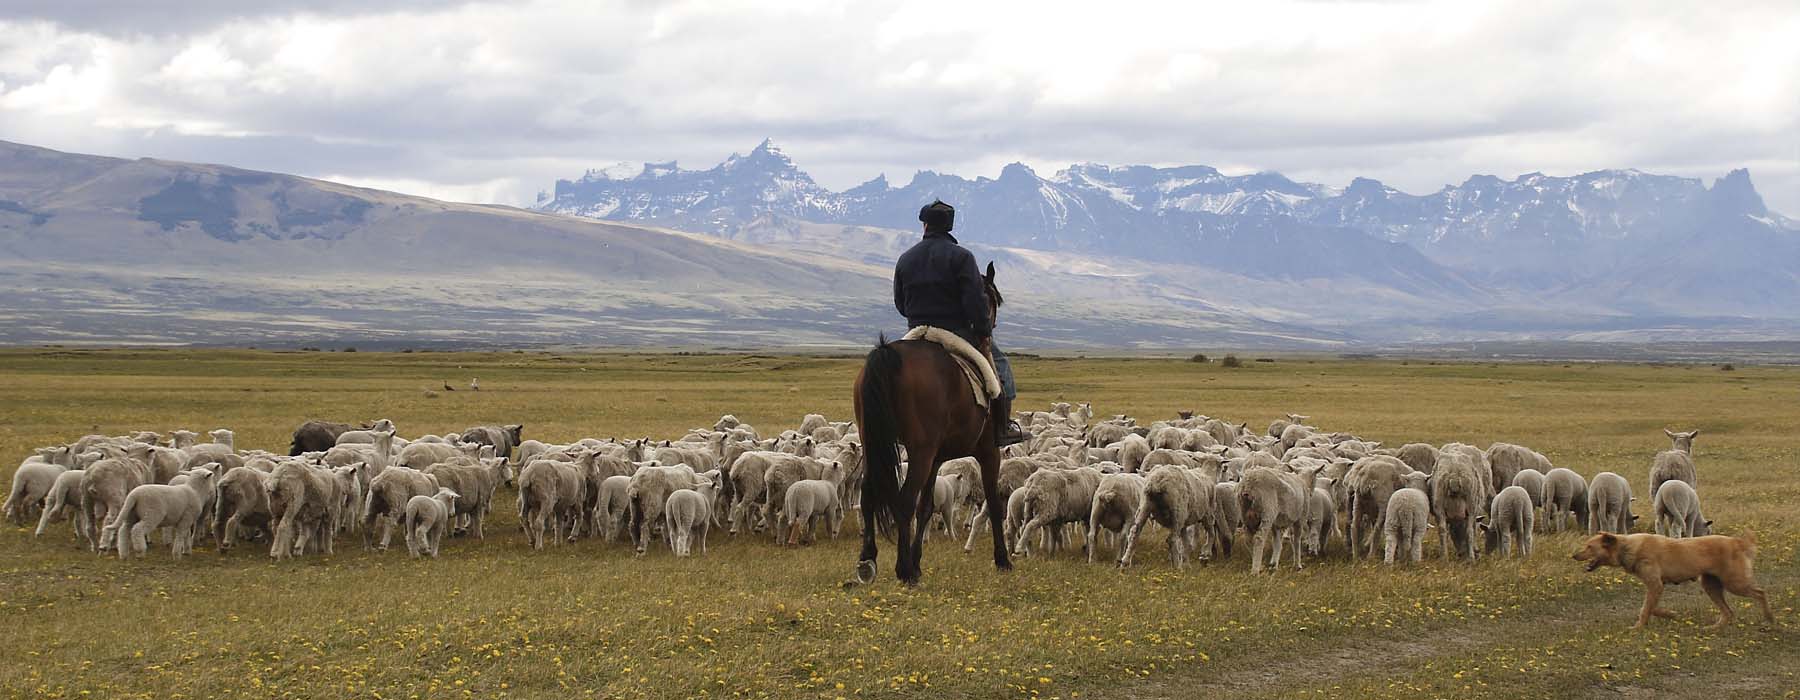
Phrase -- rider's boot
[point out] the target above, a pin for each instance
(1006, 430)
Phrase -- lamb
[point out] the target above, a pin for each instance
(240, 501)
(1675, 463)
(65, 494)
(1321, 519)
(1532, 481)
(1054, 497)
(1408, 516)
(783, 473)
(32, 482)
(1565, 494)
(1115, 508)
(1180, 500)
(649, 492)
(153, 506)
(388, 493)
(612, 512)
(1511, 523)
(474, 485)
(1507, 460)
(1458, 498)
(1609, 504)
(221, 450)
(947, 492)
(1418, 455)
(427, 519)
(1274, 504)
(306, 506)
(1678, 511)
(748, 476)
(551, 493)
(688, 514)
(807, 502)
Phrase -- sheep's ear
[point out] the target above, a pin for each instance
(1669, 433)
(1693, 434)
(1709, 523)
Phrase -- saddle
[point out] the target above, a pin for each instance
(975, 363)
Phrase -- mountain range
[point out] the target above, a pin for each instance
(1611, 245)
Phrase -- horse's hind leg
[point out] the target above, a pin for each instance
(912, 513)
(989, 457)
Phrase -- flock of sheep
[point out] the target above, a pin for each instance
(1200, 479)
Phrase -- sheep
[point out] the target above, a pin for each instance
(1408, 516)
(551, 493)
(811, 422)
(221, 450)
(1675, 463)
(1054, 497)
(306, 506)
(1609, 504)
(1280, 424)
(688, 514)
(427, 518)
(474, 485)
(808, 501)
(240, 501)
(153, 506)
(649, 491)
(612, 513)
(1418, 455)
(104, 490)
(1484, 472)
(1678, 511)
(1370, 482)
(313, 436)
(31, 483)
(1180, 500)
(1115, 508)
(1532, 481)
(1012, 475)
(1321, 519)
(1507, 460)
(502, 437)
(784, 473)
(1274, 503)
(947, 492)
(419, 454)
(388, 493)
(1458, 497)
(366, 435)
(1228, 512)
(748, 487)
(65, 495)
(1511, 522)
(1565, 494)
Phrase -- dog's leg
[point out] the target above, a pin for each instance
(1745, 586)
(1653, 587)
(1715, 589)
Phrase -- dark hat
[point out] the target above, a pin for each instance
(938, 216)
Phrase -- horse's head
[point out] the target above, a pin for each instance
(993, 295)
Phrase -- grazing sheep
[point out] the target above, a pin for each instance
(427, 519)
(1511, 523)
(306, 506)
(1180, 500)
(65, 495)
(153, 506)
(241, 501)
(1609, 504)
(688, 515)
(1115, 508)
(388, 493)
(1676, 463)
(1274, 504)
(1458, 498)
(649, 492)
(551, 493)
(1532, 481)
(1370, 482)
(1408, 517)
(1055, 497)
(1418, 455)
(1678, 511)
(1507, 460)
(807, 502)
(474, 485)
(1565, 494)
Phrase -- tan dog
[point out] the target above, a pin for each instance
(1721, 563)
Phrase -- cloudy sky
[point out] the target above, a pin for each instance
(493, 101)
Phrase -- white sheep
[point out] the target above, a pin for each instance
(807, 502)
(1458, 498)
(551, 494)
(1115, 508)
(1609, 504)
(612, 510)
(1408, 517)
(1180, 500)
(1054, 497)
(32, 482)
(1511, 522)
(1678, 511)
(688, 515)
(1418, 455)
(427, 519)
(386, 499)
(306, 505)
(1507, 460)
(240, 501)
(947, 493)
(1675, 463)
(1274, 504)
(1565, 495)
(153, 506)
(65, 496)
(474, 485)
(648, 493)
(1321, 519)
(1533, 481)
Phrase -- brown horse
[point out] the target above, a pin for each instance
(913, 393)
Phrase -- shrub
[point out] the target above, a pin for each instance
(1727, 367)
(1231, 361)
(1199, 357)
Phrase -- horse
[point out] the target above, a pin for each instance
(912, 393)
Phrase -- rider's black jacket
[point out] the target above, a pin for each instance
(936, 284)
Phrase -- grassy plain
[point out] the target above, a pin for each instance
(749, 619)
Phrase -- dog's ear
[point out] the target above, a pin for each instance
(1609, 540)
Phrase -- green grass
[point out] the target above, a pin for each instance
(749, 619)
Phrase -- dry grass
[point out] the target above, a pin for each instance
(749, 619)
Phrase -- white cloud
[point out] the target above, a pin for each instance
(497, 100)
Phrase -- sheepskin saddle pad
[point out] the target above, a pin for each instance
(975, 364)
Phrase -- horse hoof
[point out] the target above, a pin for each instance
(865, 571)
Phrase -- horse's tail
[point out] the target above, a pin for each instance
(880, 429)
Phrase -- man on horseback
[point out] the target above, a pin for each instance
(936, 283)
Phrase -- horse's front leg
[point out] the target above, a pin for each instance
(865, 562)
(989, 457)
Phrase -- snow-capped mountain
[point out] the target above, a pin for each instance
(1619, 240)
